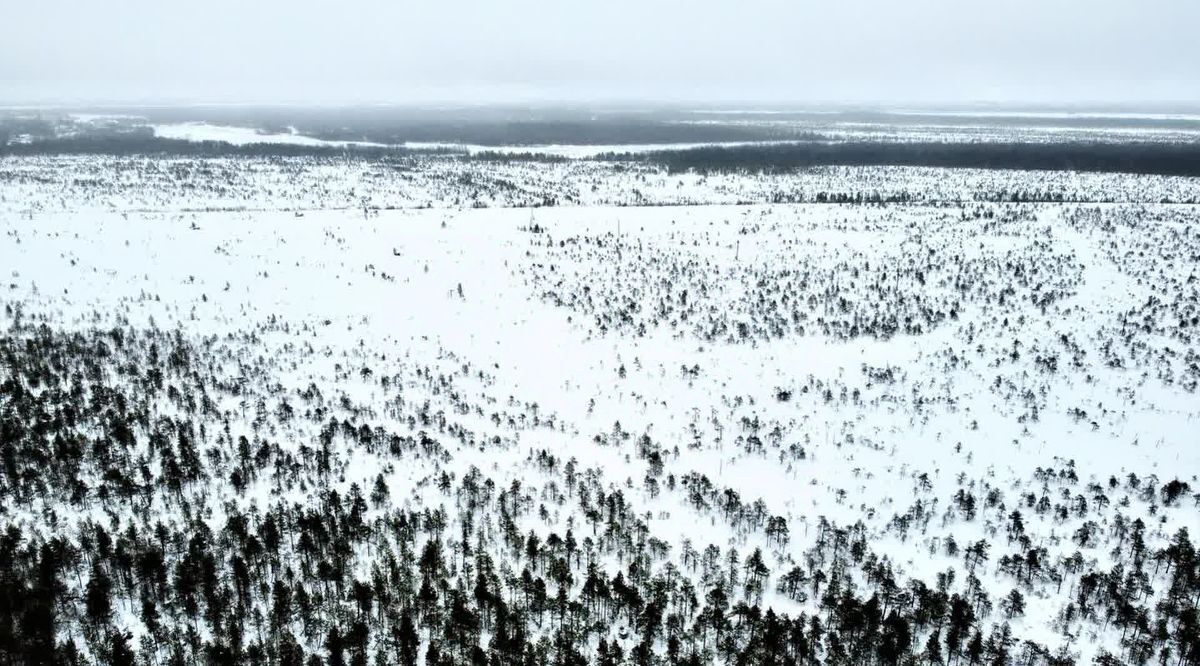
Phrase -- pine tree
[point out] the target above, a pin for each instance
(409, 641)
(1014, 604)
(894, 639)
(120, 654)
(933, 647)
(335, 647)
(975, 648)
(98, 596)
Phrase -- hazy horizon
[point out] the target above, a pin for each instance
(634, 106)
(305, 52)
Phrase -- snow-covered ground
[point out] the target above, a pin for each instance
(854, 370)
(241, 136)
(85, 183)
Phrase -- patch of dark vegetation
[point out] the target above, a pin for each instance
(1167, 159)
(525, 156)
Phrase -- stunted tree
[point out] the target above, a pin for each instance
(756, 575)
(1013, 604)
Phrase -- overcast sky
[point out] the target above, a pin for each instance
(1056, 51)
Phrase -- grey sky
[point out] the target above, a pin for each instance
(611, 50)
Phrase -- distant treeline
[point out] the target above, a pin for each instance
(528, 156)
(543, 132)
(1169, 159)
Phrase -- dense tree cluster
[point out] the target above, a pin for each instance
(801, 286)
(165, 500)
(1175, 159)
